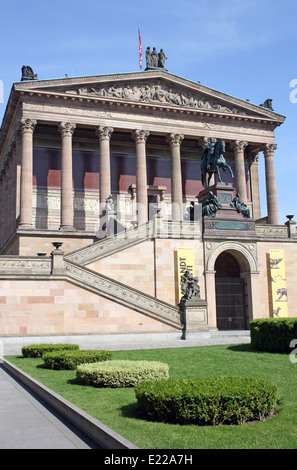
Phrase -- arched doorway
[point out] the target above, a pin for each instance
(231, 308)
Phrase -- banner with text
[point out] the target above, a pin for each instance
(185, 259)
(278, 283)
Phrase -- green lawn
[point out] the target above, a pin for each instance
(117, 408)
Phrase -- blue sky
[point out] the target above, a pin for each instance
(243, 48)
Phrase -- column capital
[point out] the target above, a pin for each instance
(253, 158)
(66, 128)
(140, 135)
(175, 139)
(269, 149)
(28, 125)
(104, 132)
(239, 145)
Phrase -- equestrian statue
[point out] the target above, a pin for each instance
(212, 160)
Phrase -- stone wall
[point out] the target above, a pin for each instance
(55, 307)
(150, 267)
(290, 250)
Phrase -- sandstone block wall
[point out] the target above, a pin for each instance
(56, 307)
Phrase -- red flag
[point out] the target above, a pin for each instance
(140, 49)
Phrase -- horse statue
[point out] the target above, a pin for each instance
(212, 160)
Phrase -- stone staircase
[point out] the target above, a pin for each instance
(122, 294)
(110, 245)
(72, 268)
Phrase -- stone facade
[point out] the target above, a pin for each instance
(66, 145)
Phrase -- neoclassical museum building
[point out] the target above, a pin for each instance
(114, 227)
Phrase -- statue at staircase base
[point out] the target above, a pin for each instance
(193, 308)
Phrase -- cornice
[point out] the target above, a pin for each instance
(144, 76)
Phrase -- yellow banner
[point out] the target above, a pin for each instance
(185, 259)
(278, 283)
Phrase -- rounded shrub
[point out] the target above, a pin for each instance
(121, 373)
(69, 360)
(38, 350)
(273, 334)
(207, 401)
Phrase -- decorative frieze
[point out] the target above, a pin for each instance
(158, 94)
(19, 266)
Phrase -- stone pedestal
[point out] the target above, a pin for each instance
(194, 316)
(225, 220)
(57, 260)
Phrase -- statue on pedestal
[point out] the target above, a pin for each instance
(240, 207)
(190, 287)
(211, 206)
(212, 160)
(155, 60)
(28, 74)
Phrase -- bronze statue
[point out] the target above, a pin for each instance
(212, 160)
(28, 74)
(211, 206)
(240, 207)
(190, 286)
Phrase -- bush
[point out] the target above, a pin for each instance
(37, 350)
(273, 334)
(69, 360)
(121, 373)
(207, 401)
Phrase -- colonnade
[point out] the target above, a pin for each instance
(140, 137)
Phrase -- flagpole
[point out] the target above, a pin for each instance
(140, 48)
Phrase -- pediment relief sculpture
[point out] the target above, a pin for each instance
(158, 94)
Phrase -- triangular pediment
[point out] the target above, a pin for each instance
(157, 88)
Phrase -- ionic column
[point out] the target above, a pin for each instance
(66, 129)
(175, 141)
(104, 134)
(271, 195)
(240, 179)
(27, 128)
(140, 137)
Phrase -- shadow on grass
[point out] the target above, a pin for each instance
(242, 348)
(131, 411)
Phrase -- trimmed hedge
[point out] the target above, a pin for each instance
(273, 334)
(207, 400)
(121, 373)
(69, 360)
(37, 350)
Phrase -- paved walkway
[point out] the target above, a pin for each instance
(28, 423)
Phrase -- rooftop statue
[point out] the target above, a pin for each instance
(28, 74)
(155, 60)
(267, 105)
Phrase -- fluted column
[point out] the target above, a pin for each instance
(271, 194)
(66, 129)
(140, 137)
(104, 134)
(27, 127)
(240, 178)
(175, 141)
